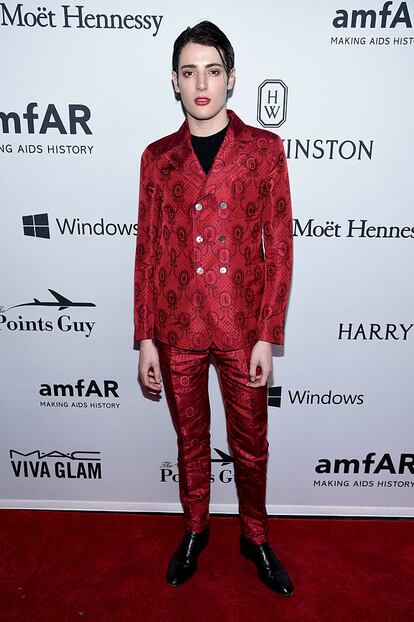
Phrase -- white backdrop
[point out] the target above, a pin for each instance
(340, 411)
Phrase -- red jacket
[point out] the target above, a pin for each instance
(201, 272)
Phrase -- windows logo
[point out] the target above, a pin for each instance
(36, 226)
(275, 396)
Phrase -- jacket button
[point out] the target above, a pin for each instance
(200, 270)
(223, 269)
(198, 206)
(199, 238)
(223, 205)
(222, 238)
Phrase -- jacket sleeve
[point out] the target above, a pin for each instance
(149, 204)
(278, 246)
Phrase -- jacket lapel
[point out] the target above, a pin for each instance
(184, 159)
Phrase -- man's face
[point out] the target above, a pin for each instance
(202, 81)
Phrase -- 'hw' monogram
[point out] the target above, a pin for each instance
(272, 103)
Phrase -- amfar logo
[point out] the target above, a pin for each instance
(305, 397)
(403, 464)
(360, 18)
(64, 323)
(75, 121)
(37, 225)
(62, 465)
(169, 472)
(76, 18)
(272, 103)
(106, 390)
(383, 465)
(373, 332)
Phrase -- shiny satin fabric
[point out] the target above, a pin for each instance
(214, 252)
(185, 381)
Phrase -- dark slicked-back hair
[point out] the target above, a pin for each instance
(205, 33)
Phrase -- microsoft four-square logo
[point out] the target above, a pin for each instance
(36, 226)
(275, 396)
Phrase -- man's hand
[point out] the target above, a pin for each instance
(149, 365)
(261, 356)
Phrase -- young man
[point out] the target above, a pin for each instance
(212, 275)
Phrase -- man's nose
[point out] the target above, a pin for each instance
(201, 82)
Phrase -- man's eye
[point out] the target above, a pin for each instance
(215, 72)
(187, 74)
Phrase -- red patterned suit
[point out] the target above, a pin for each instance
(212, 274)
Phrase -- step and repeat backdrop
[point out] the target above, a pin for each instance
(84, 88)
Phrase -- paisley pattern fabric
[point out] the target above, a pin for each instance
(214, 252)
(185, 377)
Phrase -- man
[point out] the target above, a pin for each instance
(212, 275)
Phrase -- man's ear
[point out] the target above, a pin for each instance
(175, 82)
(231, 79)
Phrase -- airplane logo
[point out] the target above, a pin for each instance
(224, 458)
(61, 302)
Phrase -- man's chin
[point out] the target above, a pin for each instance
(203, 115)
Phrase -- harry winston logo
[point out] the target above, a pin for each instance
(272, 103)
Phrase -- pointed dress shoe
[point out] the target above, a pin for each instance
(270, 569)
(183, 563)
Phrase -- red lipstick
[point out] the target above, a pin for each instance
(202, 101)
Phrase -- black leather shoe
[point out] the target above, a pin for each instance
(270, 569)
(183, 563)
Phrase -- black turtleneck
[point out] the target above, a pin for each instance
(206, 147)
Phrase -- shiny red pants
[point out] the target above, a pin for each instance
(185, 381)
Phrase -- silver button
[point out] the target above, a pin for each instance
(199, 238)
(223, 269)
(200, 270)
(222, 238)
(223, 205)
(198, 206)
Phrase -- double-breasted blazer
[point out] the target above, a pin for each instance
(213, 254)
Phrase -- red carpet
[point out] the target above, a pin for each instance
(59, 566)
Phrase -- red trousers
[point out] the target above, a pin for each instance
(185, 381)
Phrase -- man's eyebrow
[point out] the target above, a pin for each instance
(195, 66)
